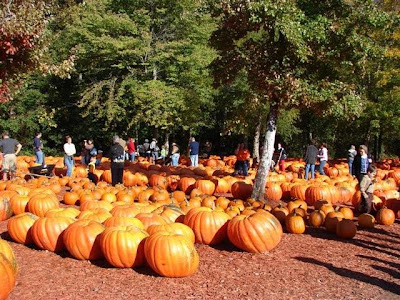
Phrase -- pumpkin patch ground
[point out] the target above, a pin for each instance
(314, 265)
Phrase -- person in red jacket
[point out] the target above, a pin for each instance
(242, 159)
(131, 149)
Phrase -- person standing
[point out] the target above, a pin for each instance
(310, 159)
(207, 149)
(194, 151)
(367, 190)
(116, 155)
(10, 149)
(323, 158)
(163, 153)
(282, 157)
(91, 168)
(361, 163)
(350, 155)
(154, 150)
(38, 148)
(175, 154)
(242, 159)
(131, 149)
(146, 149)
(69, 152)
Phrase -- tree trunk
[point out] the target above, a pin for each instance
(380, 144)
(266, 158)
(155, 73)
(166, 143)
(256, 143)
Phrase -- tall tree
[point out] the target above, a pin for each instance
(304, 53)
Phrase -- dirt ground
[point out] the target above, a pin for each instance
(315, 265)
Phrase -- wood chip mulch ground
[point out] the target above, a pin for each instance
(315, 265)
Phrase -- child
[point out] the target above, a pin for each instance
(367, 190)
(91, 168)
(163, 153)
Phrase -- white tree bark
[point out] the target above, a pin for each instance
(266, 158)
(256, 142)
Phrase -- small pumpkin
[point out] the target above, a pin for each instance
(366, 221)
(346, 229)
(295, 223)
(316, 218)
(385, 216)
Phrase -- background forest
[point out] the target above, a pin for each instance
(145, 68)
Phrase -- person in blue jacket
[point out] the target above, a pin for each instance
(194, 152)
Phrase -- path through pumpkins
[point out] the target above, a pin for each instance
(314, 265)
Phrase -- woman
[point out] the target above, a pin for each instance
(242, 159)
(282, 157)
(175, 155)
(323, 158)
(69, 151)
(117, 155)
(351, 155)
(310, 158)
(361, 163)
(131, 149)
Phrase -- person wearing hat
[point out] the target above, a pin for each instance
(10, 149)
(146, 149)
(116, 156)
(175, 155)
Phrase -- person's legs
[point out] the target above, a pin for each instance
(196, 160)
(39, 157)
(350, 167)
(175, 159)
(312, 171)
(131, 157)
(68, 163)
(245, 168)
(321, 167)
(307, 170)
(192, 160)
(368, 203)
(120, 174)
(114, 175)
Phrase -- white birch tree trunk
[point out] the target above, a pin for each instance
(266, 158)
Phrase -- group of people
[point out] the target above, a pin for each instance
(360, 163)
(360, 166)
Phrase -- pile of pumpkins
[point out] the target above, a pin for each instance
(161, 211)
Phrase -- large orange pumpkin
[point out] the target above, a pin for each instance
(177, 228)
(19, 228)
(5, 208)
(206, 186)
(170, 254)
(47, 232)
(123, 246)
(8, 277)
(257, 233)
(82, 239)
(209, 226)
(40, 204)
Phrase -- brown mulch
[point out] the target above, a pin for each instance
(315, 265)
